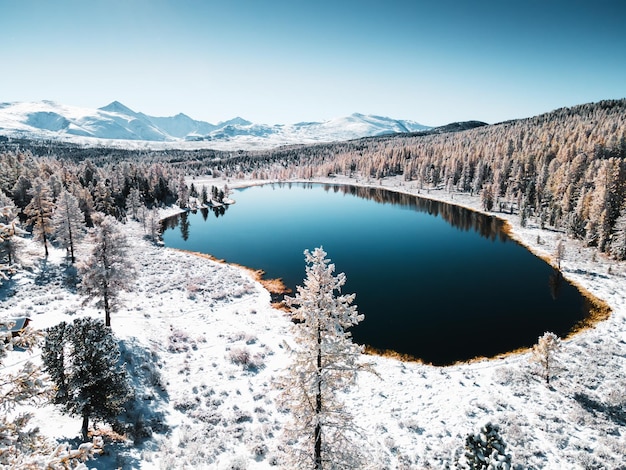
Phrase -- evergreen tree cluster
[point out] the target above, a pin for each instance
(104, 188)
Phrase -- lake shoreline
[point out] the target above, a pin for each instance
(599, 310)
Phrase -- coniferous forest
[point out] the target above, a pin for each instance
(566, 169)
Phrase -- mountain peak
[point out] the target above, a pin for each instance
(237, 121)
(117, 107)
(116, 121)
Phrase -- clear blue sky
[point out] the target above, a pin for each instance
(288, 61)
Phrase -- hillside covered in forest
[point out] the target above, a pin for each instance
(204, 349)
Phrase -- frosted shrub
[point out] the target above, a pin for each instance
(180, 341)
(243, 357)
(238, 462)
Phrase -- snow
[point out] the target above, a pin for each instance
(119, 126)
(188, 320)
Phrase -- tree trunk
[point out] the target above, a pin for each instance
(71, 241)
(85, 427)
(107, 308)
(318, 404)
(43, 233)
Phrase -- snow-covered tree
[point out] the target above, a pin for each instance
(485, 450)
(18, 440)
(68, 222)
(102, 199)
(487, 198)
(545, 355)
(39, 212)
(559, 253)
(152, 223)
(618, 239)
(108, 270)
(325, 361)
(9, 230)
(82, 360)
(134, 203)
(204, 195)
(183, 193)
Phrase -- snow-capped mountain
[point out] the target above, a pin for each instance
(117, 122)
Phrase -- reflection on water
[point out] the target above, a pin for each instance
(487, 226)
(182, 220)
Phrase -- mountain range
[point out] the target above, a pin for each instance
(118, 124)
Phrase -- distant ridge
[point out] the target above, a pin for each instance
(117, 122)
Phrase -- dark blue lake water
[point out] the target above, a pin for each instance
(434, 281)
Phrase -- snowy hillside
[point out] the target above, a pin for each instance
(116, 123)
(189, 319)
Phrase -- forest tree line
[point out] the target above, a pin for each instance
(566, 169)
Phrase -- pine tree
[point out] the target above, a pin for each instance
(68, 222)
(82, 361)
(108, 271)
(324, 361)
(545, 355)
(39, 212)
(485, 450)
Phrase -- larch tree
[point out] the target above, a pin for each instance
(134, 203)
(183, 193)
(487, 198)
(618, 239)
(108, 270)
(559, 253)
(102, 199)
(545, 355)
(325, 360)
(39, 212)
(9, 231)
(23, 387)
(68, 222)
(82, 359)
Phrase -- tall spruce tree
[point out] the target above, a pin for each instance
(108, 270)
(82, 359)
(325, 360)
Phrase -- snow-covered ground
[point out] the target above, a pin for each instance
(189, 321)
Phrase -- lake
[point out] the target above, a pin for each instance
(434, 281)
